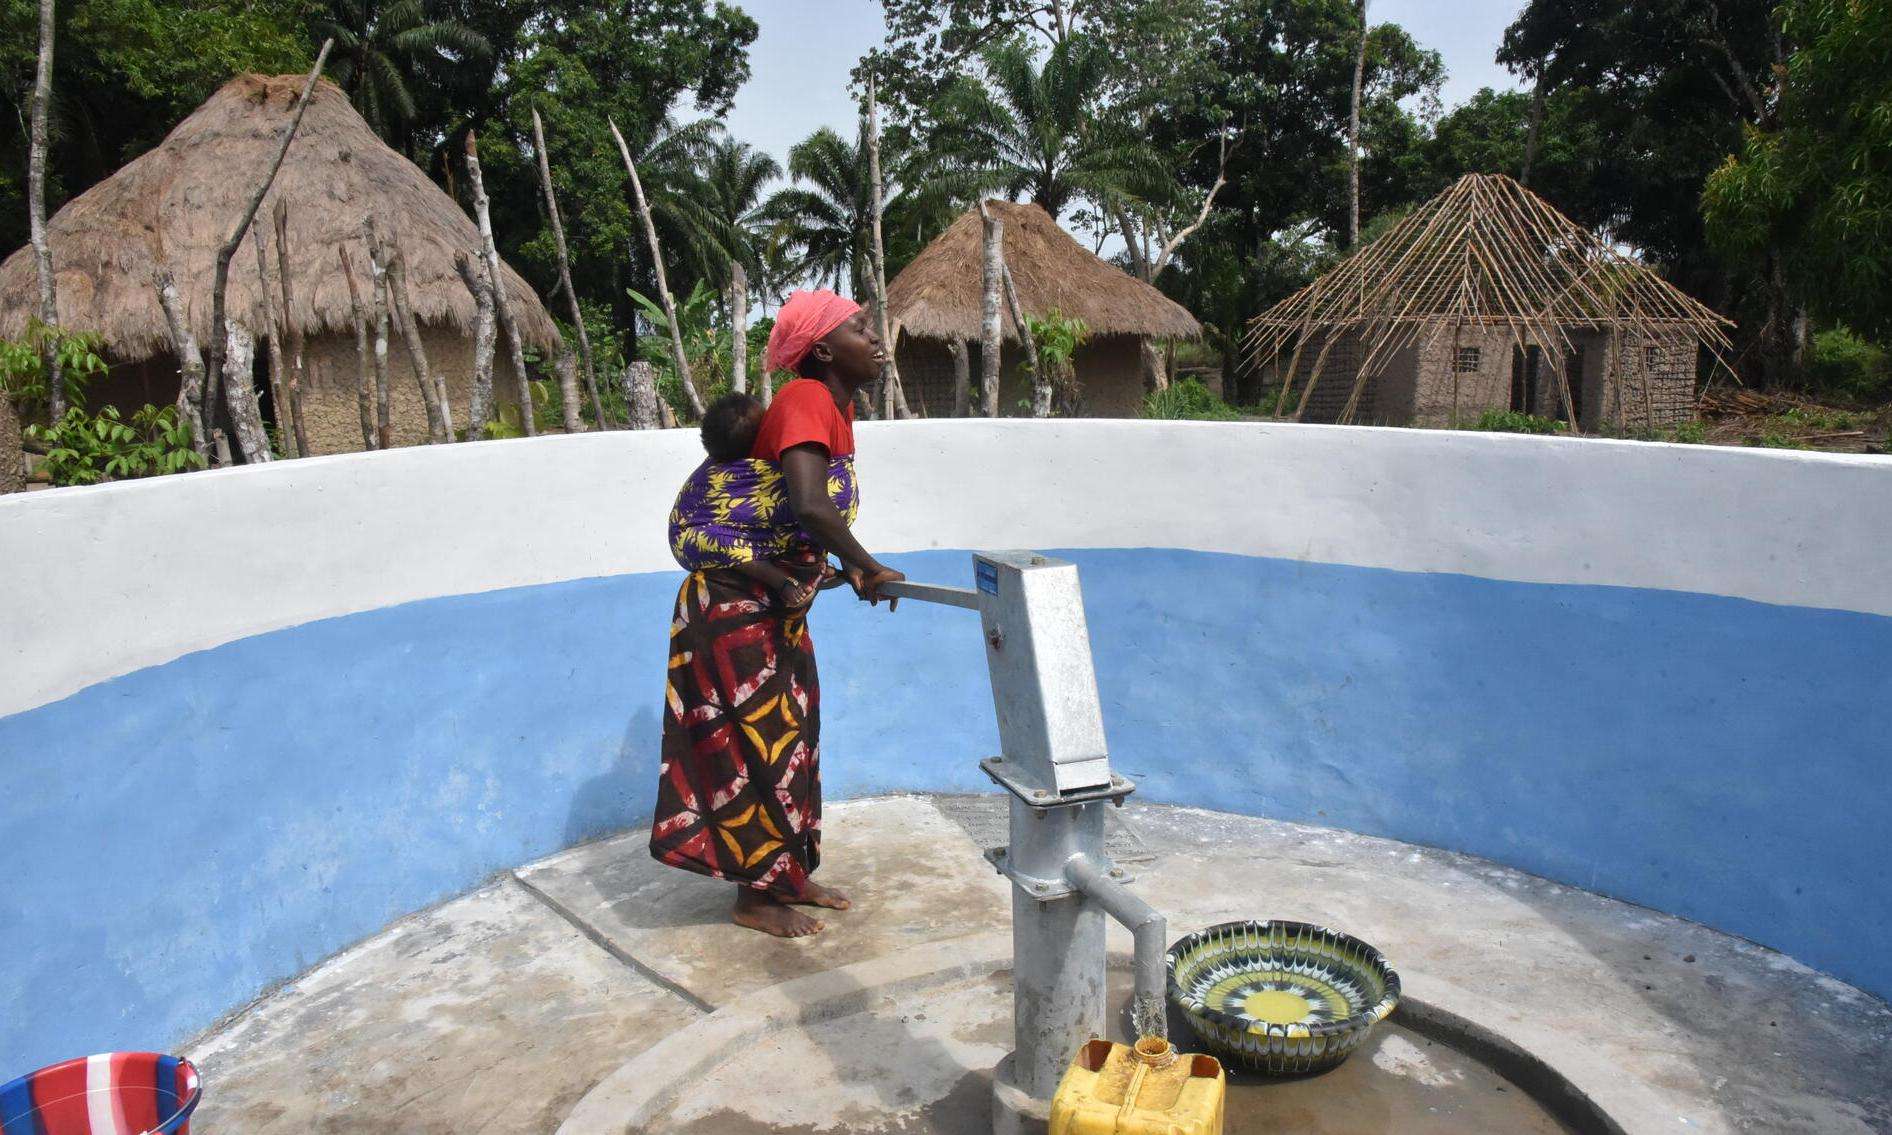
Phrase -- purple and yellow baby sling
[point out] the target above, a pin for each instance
(737, 512)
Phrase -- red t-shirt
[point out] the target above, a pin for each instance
(804, 412)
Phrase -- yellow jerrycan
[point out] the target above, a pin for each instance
(1113, 1089)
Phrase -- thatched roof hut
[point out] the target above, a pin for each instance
(174, 206)
(938, 295)
(937, 300)
(1486, 297)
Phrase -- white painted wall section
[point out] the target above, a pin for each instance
(109, 579)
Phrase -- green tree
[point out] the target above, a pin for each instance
(1031, 127)
(1491, 132)
(823, 217)
(125, 73)
(383, 51)
(1672, 85)
(1281, 73)
(823, 221)
(581, 70)
(1811, 187)
(732, 179)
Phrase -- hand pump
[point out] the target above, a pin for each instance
(1054, 765)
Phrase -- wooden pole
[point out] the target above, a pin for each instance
(1456, 328)
(565, 276)
(239, 394)
(962, 377)
(677, 356)
(378, 275)
(439, 416)
(566, 368)
(485, 333)
(1534, 132)
(1313, 377)
(1294, 364)
(739, 329)
(1040, 381)
(990, 342)
(496, 279)
(1613, 374)
(1648, 394)
(298, 362)
(890, 371)
(1353, 131)
(364, 356)
(1572, 412)
(36, 214)
(220, 279)
(278, 383)
(640, 395)
(190, 361)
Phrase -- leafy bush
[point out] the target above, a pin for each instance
(707, 347)
(1849, 366)
(1515, 422)
(1058, 337)
(22, 367)
(1187, 399)
(85, 449)
(1690, 433)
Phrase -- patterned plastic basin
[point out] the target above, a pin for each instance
(1280, 997)
(113, 1093)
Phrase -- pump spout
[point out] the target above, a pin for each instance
(1146, 925)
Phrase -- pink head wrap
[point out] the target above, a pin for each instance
(802, 322)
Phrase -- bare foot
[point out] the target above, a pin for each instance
(814, 894)
(759, 911)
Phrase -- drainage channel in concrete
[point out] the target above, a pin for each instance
(891, 1048)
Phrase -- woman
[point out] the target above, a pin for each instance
(739, 794)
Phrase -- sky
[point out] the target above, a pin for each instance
(800, 60)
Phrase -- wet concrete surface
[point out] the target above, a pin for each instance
(919, 1066)
(500, 1010)
(916, 875)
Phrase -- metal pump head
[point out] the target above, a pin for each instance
(1038, 652)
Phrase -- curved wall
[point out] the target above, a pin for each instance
(250, 716)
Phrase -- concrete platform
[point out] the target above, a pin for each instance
(529, 1002)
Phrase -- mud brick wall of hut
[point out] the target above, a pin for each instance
(1109, 370)
(329, 411)
(1655, 380)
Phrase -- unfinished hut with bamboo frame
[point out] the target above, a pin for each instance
(173, 206)
(1487, 298)
(937, 301)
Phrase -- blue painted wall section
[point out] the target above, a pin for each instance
(179, 838)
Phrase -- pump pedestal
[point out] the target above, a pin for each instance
(1056, 768)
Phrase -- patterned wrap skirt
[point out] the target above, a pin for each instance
(739, 790)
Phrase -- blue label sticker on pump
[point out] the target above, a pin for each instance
(988, 577)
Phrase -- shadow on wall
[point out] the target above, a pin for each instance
(621, 797)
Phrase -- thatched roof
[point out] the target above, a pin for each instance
(938, 296)
(175, 205)
(1487, 252)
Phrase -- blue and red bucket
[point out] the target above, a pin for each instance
(113, 1093)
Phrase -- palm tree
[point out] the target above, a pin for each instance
(1032, 130)
(384, 52)
(825, 216)
(732, 177)
(671, 164)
